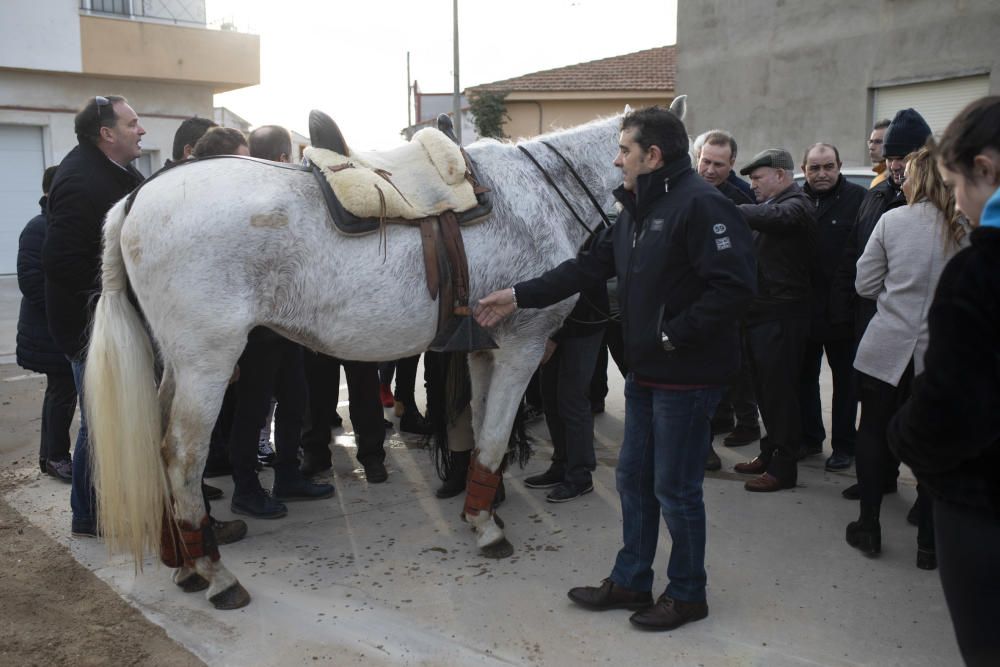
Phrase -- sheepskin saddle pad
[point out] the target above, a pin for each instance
(421, 179)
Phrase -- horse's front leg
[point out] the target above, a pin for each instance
(498, 382)
(195, 405)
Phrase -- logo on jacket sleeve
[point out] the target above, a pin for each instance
(656, 225)
(719, 228)
(723, 243)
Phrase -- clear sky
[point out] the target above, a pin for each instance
(348, 57)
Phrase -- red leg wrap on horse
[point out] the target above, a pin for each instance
(198, 541)
(170, 543)
(480, 488)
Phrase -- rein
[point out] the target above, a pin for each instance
(552, 183)
(605, 222)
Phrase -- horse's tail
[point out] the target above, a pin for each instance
(123, 417)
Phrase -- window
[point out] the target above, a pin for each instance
(937, 101)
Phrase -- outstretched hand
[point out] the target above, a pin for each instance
(493, 308)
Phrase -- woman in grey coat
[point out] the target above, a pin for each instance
(899, 268)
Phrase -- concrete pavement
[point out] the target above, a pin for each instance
(388, 575)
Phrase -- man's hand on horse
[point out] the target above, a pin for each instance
(493, 308)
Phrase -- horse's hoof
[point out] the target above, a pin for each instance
(193, 584)
(233, 597)
(502, 548)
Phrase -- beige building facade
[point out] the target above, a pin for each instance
(54, 54)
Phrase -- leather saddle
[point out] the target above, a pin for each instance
(446, 265)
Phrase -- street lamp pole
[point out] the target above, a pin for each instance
(456, 101)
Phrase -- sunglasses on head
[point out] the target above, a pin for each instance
(101, 102)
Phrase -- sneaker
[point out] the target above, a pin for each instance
(568, 491)
(551, 477)
(259, 504)
(743, 435)
(839, 461)
(227, 532)
(375, 472)
(83, 528)
(385, 395)
(301, 489)
(713, 462)
(60, 469)
(265, 452)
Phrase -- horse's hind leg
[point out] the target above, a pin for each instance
(193, 411)
(499, 380)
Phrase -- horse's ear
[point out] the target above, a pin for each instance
(628, 109)
(679, 106)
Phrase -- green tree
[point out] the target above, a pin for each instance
(489, 112)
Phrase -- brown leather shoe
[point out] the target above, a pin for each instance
(668, 614)
(756, 467)
(609, 595)
(767, 483)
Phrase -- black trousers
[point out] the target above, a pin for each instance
(968, 550)
(614, 344)
(322, 375)
(268, 367)
(405, 371)
(739, 403)
(776, 350)
(564, 382)
(58, 408)
(840, 358)
(875, 464)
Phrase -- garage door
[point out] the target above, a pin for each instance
(21, 167)
(937, 101)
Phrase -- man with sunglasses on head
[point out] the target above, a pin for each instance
(91, 178)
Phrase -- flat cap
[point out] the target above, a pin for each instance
(777, 158)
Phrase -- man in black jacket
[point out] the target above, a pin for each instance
(685, 273)
(91, 178)
(907, 132)
(778, 322)
(36, 350)
(737, 411)
(836, 200)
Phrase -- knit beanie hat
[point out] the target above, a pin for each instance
(907, 133)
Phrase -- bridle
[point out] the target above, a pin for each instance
(605, 223)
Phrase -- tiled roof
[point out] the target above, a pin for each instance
(652, 69)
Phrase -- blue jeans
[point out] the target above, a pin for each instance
(661, 468)
(81, 497)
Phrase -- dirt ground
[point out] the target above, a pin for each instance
(53, 611)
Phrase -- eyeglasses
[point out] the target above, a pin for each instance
(101, 102)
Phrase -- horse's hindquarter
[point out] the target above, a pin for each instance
(219, 247)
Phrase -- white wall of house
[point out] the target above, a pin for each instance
(41, 34)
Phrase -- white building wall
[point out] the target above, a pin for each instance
(40, 34)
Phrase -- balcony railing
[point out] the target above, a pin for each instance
(189, 13)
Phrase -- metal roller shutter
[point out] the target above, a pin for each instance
(937, 101)
(21, 167)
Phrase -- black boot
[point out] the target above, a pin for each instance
(865, 534)
(458, 470)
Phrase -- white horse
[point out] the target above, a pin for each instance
(213, 249)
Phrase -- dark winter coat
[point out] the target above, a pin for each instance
(685, 267)
(85, 187)
(36, 351)
(836, 211)
(845, 304)
(949, 430)
(784, 242)
(734, 194)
